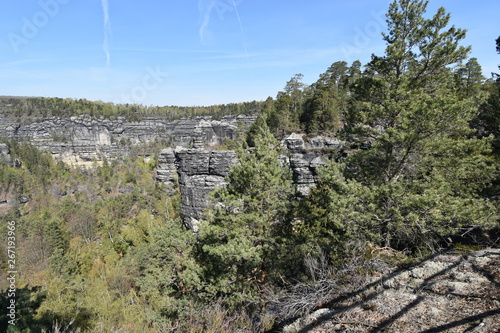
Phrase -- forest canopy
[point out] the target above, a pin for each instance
(42, 107)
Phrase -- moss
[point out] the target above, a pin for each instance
(465, 249)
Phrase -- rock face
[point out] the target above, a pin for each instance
(4, 153)
(198, 172)
(307, 156)
(79, 140)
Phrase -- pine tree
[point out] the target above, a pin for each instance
(410, 98)
(240, 242)
(469, 78)
(487, 122)
(289, 105)
(423, 172)
(322, 111)
(169, 275)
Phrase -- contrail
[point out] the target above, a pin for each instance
(206, 6)
(241, 28)
(107, 31)
(206, 16)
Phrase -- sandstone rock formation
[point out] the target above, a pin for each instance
(197, 172)
(80, 139)
(306, 156)
(4, 153)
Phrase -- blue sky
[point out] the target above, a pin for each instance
(199, 52)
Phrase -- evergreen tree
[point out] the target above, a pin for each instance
(423, 173)
(169, 275)
(240, 240)
(419, 51)
(487, 122)
(488, 119)
(327, 102)
(289, 105)
(469, 78)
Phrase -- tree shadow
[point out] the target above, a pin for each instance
(28, 300)
(463, 321)
(396, 316)
(27, 319)
(487, 274)
(423, 285)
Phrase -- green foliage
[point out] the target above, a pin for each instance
(104, 249)
(422, 177)
(288, 106)
(59, 107)
(487, 121)
(419, 50)
(73, 238)
(333, 212)
(328, 98)
(469, 78)
(28, 300)
(240, 241)
(170, 278)
(254, 130)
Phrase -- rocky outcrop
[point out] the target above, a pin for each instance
(81, 139)
(445, 293)
(307, 156)
(4, 153)
(197, 172)
(298, 142)
(305, 167)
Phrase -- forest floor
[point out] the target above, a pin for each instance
(445, 293)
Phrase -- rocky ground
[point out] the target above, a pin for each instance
(446, 293)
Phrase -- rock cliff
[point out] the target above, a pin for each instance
(306, 156)
(197, 172)
(79, 140)
(82, 139)
(4, 153)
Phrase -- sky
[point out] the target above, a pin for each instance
(200, 52)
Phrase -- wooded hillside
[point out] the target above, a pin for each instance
(104, 249)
